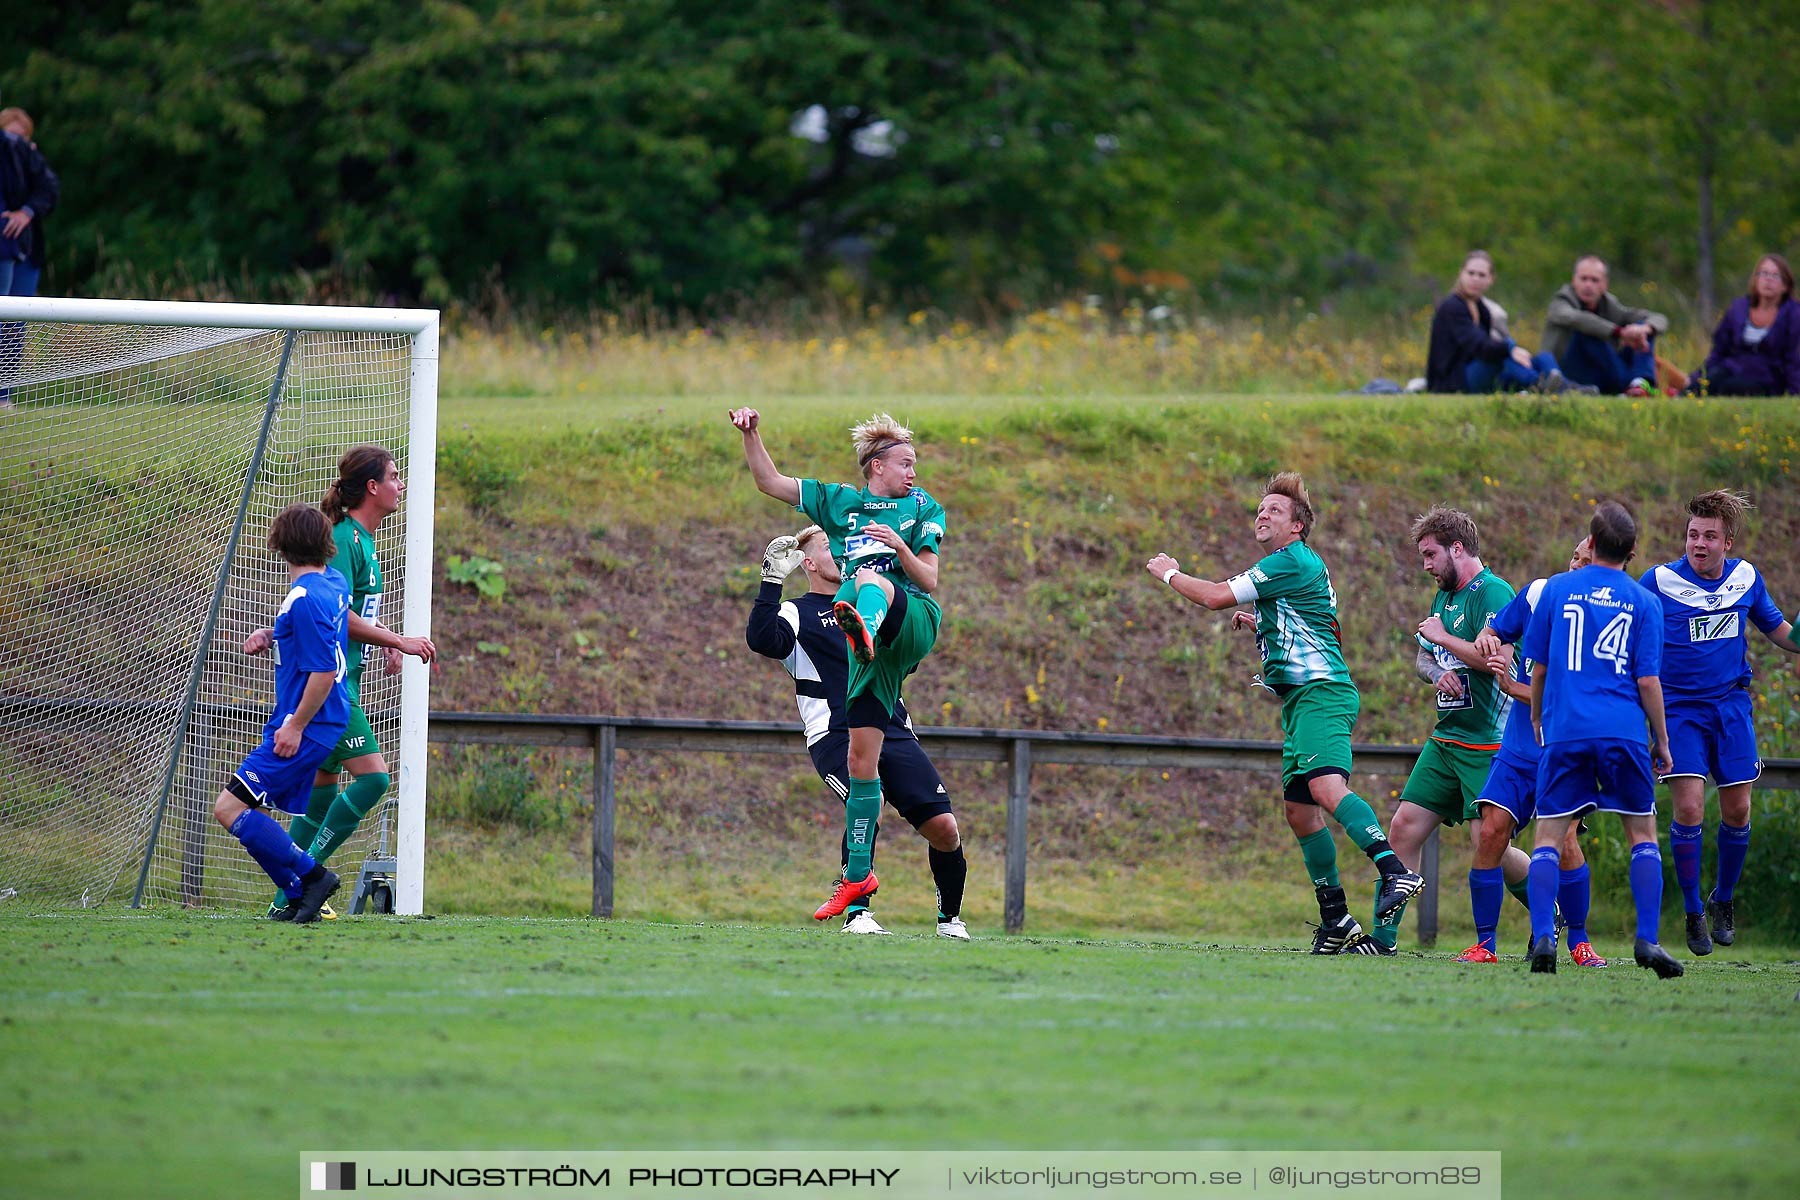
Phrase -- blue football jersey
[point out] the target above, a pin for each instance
(1706, 636)
(311, 631)
(1596, 632)
(1510, 624)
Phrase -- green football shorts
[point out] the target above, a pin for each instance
(1448, 780)
(1316, 720)
(879, 682)
(357, 741)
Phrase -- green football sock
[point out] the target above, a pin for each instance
(347, 811)
(1520, 893)
(862, 905)
(861, 810)
(1359, 821)
(872, 606)
(305, 826)
(1319, 850)
(1387, 929)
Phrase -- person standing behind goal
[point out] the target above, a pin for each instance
(1303, 663)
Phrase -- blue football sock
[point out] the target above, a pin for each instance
(1486, 890)
(1572, 896)
(1686, 843)
(1734, 845)
(1646, 888)
(273, 850)
(1542, 882)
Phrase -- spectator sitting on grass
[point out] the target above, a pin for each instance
(1470, 350)
(1756, 347)
(1597, 339)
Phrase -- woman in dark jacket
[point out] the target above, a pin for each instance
(1756, 347)
(31, 190)
(1468, 354)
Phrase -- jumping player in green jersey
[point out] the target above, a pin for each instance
(885, 537)
(367, 491)
(1472, 708)
(1297, 633)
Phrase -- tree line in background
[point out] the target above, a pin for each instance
(970, 154)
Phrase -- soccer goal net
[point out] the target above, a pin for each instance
(144, 449)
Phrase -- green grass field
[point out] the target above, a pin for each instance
(186, 1056)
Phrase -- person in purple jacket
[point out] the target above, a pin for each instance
(1756, 347)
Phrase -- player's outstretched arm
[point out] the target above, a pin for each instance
(259, 642)
(1783, 636)
(769, 481)
(1206, 594)
(766, 632)
(374, 633)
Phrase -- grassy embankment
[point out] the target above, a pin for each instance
(629, 531)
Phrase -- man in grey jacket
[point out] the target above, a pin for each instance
(1598, 340)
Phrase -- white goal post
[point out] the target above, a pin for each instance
(144, 447)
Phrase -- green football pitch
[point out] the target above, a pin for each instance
(181, 1055)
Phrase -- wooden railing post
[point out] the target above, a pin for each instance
(606, 745)
(1425, 903)
(1018, 806)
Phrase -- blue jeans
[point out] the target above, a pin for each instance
(1593, 360)
(1481, 376)
(12, 334)
(25, 279)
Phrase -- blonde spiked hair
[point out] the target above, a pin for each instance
(806, 535)
(875, 437)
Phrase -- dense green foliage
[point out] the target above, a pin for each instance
(564, 152)
(138, 1051)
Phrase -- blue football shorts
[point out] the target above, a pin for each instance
(266, 780)
(1610, 774)
(1714, 737)
(1512, 785)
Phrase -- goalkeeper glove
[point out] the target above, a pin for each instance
(781, 559)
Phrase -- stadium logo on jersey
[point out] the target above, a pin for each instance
(1713, 627)
(879, 505)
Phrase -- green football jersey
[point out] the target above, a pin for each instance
(1478, 717)
(356, 562)
(841, 511)
(1296, 617)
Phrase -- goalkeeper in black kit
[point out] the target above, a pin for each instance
(803, 635)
